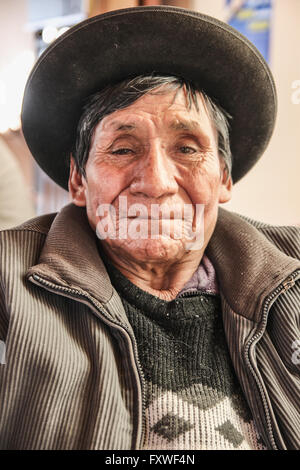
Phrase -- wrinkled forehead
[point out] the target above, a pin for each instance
(168, 105)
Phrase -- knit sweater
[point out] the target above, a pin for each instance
(192, 397)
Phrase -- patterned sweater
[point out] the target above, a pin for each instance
(192, 397)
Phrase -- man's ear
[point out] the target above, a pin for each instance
(226, 185)
(76, 185)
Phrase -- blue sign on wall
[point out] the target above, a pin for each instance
(253, 19)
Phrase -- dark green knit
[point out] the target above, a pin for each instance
(182, 348)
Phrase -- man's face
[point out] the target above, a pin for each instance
(156, 153)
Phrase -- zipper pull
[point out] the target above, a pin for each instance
(288, 283)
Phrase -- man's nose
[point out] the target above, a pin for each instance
(154, 175)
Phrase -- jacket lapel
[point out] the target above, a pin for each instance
(248, 266)
(70, 255)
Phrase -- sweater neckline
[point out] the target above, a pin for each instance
(176, 308)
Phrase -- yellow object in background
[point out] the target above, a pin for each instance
(258, 26)
(245, 14)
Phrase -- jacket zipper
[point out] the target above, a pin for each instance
(283, 287)
(96, 307)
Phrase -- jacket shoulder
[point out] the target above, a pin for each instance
(40, 224)
(285, 237)
(21, 246)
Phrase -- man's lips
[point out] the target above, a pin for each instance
(149, 218)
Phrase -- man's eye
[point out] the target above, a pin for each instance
(187, 149)
(122, 151)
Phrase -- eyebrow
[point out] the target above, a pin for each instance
(176, 125)
(119, 126)
(184, 125)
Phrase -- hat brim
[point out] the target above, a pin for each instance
(111, 47)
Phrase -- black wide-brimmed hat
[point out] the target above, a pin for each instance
(109, 48)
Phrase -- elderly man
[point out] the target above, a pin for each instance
(143, 316)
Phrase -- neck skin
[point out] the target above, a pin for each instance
(161, 279)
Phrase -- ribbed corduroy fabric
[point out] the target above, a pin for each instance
(72, 377)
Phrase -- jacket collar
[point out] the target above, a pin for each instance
(248, 266)
(70, 256)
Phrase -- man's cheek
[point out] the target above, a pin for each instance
(201, 193)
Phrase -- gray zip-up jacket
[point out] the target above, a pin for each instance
(71, 377)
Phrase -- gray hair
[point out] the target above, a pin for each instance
(123, 94)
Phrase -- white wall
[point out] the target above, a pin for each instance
(209, 7)
(13, 36)
(16, 59)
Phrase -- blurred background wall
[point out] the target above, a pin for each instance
(270, 192)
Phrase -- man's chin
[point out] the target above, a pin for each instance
(143, 250)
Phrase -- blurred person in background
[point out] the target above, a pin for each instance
(115, 341)
(15, 200)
